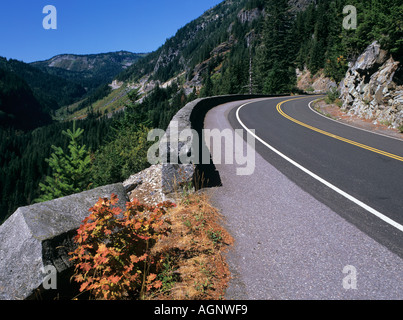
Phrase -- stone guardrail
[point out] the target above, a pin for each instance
(41, 235)
(200, 173)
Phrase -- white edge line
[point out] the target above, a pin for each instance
(349, 125)
(326, 183)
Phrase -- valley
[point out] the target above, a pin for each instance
(87, 117)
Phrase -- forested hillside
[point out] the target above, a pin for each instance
(236, 47)
(52, 92)
(23, 154)
(19, 107)
(89, 71)
(262, 42)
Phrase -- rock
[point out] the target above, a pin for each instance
(368, 90)
(40, 235)
(379, 95)
(371, 57)
(249, 15)
(177, 176)
(133, 182)
(146, 186)
(315, 84)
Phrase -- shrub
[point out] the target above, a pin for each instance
(113, 257)
(125, 154)
(332, 95)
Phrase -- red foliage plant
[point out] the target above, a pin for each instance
(113, 259)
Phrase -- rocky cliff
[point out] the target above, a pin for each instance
(372, 89)
(317, 83)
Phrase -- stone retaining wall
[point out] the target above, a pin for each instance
(175, 175)
(40, 235)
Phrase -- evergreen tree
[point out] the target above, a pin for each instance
(71, 172)
(207, 90)
(276, 71)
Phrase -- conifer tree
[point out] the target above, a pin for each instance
(276, 70)
(70, 172)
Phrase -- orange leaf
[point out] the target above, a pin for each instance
(151, 277)
(86, 266)
(83, 286)
(102, 249)
(114, 279)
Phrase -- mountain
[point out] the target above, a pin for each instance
(210, 55)
(57, 82)
(218, 33)
(257, 46)
(25, 87)
(90, 71)
(18, 106)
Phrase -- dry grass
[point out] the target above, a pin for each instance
(194, 267)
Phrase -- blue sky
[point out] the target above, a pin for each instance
(88, 26)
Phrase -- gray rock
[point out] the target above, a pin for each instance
(372, 56)
(40, 235)
(368, 87)
(177, 176)
(133, 182)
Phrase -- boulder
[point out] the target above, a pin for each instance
(368, 90)
(370, 58)
(176, 177)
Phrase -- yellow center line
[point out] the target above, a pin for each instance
(360, 145)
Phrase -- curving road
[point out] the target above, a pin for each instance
(324, 196)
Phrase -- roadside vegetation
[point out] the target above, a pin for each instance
(163, 252)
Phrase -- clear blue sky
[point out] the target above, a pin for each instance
(88, 26)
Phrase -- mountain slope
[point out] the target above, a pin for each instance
(210, 55)
(52, 92)
(191, 44)
(18, 105)
(257, 46)
(90, 71)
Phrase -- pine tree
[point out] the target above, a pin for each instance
(71, 172)
(277, 74)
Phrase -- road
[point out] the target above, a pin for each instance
(324, 197)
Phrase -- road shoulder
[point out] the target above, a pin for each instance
(289, 245)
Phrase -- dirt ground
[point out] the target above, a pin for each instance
(336, 113)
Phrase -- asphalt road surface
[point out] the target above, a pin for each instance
(321, 216)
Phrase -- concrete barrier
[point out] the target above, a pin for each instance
(41, 235)
(176, 175)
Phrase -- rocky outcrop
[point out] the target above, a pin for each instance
(299, 5)
(246, 16)
(317, 83)
(146, 186)
(369, 90)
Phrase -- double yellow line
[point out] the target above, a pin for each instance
(360, 145)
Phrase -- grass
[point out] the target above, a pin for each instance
(194, 267)
(113, 102)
